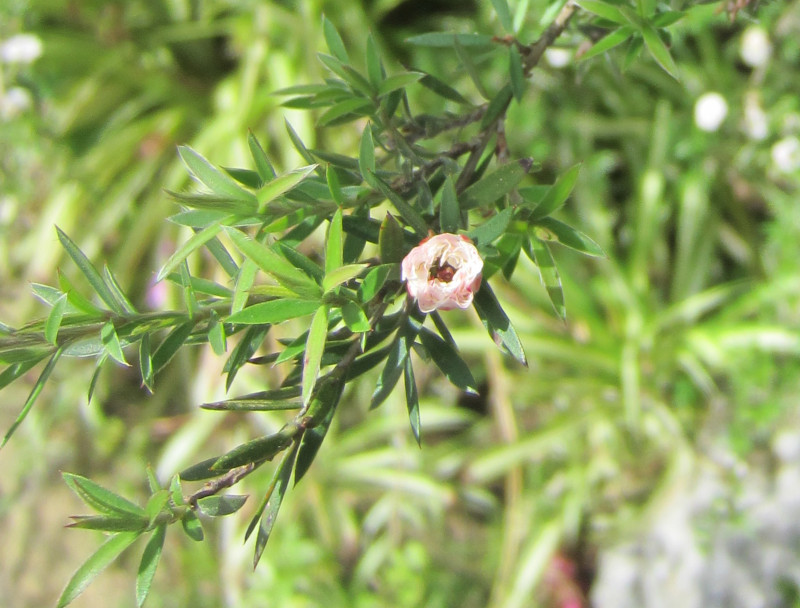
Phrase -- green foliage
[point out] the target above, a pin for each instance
(293, 278)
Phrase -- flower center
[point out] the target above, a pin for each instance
(442, 272)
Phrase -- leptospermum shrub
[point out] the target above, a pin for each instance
(431, 209)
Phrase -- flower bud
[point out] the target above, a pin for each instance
(443, 272)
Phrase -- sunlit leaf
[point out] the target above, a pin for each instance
(448, 360)
(101, 499)
(487, 190)
(315, 346)
(540, 254)
(557, 194)
(497, 323)
(274, 311)
(211, 177)
(149, 563)
(218, 506)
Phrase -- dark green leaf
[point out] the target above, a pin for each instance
(101, 499)
(518, 81)
(89, 271)
(192, 526)
(263, 166)
(334, 243)
(406, 211)
(391, 240)
(541, 256)
(366, 154)
(298, 144)
(497, 184)
(375, 279)
(568, 236)
(12, 372)
(149, 563)
(300, 261)
(201, 471)
(446, 40)
(116, 291)
(398, 81)
(449, 211)
(252, 405)
(492, 229)
(497, 106)
(375, 70)
(272, 504)
(257, 450)
(218, 506)
(497, 323)
(32, 396)
(334, 40)
(472, 70)
(106, 523)
(274, 311)
(448, 360)
(349, 108)
(412, 399)
(171, 345)
(215, 202)
(93, 566)
(442, 89)
(558, 193)
(247, 346)
(395, 362)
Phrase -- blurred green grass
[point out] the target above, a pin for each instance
(681, 344)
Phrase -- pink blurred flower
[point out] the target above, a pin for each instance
(443, 272)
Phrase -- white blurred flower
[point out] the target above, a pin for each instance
(709, 111)
(557, 58)
(755, 119)
(756, 47)
(14, 102)
(786, 154)
(21, 48)
(443, 272)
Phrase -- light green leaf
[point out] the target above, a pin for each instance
(491, 229)
(375, 279)
(398, 81)
(569, 237)
(366, 154)
(558, 193)
(93, 566)
(334, 185)
(215, 180)
(218, 506)
(89, 271)
(334, 41)
(375, 70)
(192, 526)
(659, 50)
(263, 166)
(503, 180)
(108, 335)
(274, 311)
(355, 318)
(406, 211)
(608, 42)
(541, 256)
(503, 15)
(334, 244)
(602, 9)
(53, 322)
(497, 323)
(281, 185)
(449, 211)
(149, 563)
(351, 108)
(101, 499)
(341, 275)
(197, 240)
(315, 346)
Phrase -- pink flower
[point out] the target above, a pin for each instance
(443, 272)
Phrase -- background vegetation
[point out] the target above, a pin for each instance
(667, 401)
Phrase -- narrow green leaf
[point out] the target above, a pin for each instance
(274, 311)
(223, 257)
(106, 523)
(492, 229)
(442, 89)
(398, 81)
(201, 470)
(665, 19)
(263, 448)
(211, 177)
(298, 144)
(252, 405)
(412, 399)
(300, 261)
(171, 345)
(391, 240)
(96, 376)
(116, 291)
(349, 108)
(569, 237)
(334, 41)
(89, 271)
(334, 243)
(149, 563)
(282, 184)
(608, 42)
(446, 40)
(659, 50)
(75, 298)
(93, 566)
(197, 240)
(215, 202)
(518, 81)
(472, 70)
(244, 281)
(176, 491)
(334, 185)
(53, 322)
(497, 184)
(395, 363)
(355, 318)
(558, 193)
(341, 275)
(449, 210)
(263, 166)
(406, 211)
(32, 396)
(503, 15)
(497, 106)
(497, 323)
(247, 346)
(375, 279)
(375, 70)
(448, 360)
(15, 371)
(216, 335)
(366, 154)
(315, 346)
(541, 256)
(274, 498)
(110, 339)
(101, 499)
(146, 362)
(603, 9)
(192, 526)
(219, 506)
